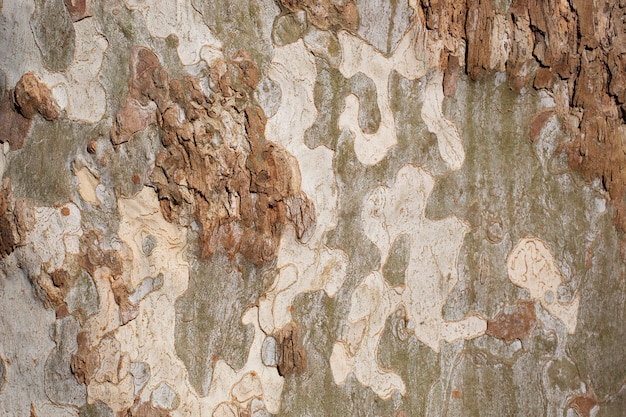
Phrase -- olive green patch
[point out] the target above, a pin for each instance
(208, 316)
(54, 33)
(41, 169)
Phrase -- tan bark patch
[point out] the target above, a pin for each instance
(328, 14)
(291, 354)
(32, 96)
(12, 220)
(217, 165)
(143, 410)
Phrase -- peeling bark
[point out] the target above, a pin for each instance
(216, 208)
(514, 323)
(328, 14)
(12, 220)
(291, 354)
(29, 97)
(217, 165)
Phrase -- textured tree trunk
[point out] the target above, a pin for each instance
(312, 208)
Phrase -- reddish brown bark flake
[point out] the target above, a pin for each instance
(514, 323)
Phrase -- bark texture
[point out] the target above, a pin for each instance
(294, 207)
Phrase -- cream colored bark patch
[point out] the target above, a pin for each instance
(87, 184)
(430, 278)
(152, 342)
(416, 54)
(85, 95)
(143, 339)
(76, 89)
(359, 56)
(532, 266)
(372, 302)
(448, 139)
(311, 266)
(56, 232)
(180, 18)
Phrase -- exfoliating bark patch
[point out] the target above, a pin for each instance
(217, 165)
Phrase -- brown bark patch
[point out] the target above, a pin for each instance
(543, 79)
(583, 404)
(128, 310)
(92, 257)
(145, 409)
(137, 113)
(328, 14)
(451, 76)
(579, 46)
(291, 354)
(31, 96)
(12, 220)
(554, 24)
(446, 16)
(514, 323)
(538, 122)
(130, 119)
(217, 166)
(79, 9)
(86, 361)
(478, 29)
(62, 311)
(15, 127)
(55, 287)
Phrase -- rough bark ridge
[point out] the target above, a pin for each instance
(291, 354)
(12, 220)
(217, 164)
(20, 104)
(574, 49)
(328, 14)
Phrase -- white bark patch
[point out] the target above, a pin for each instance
(312, 266)
(532, 266)
(178, 17)
(448, 139)
(415, 55)
(430, 278)
(56, 232)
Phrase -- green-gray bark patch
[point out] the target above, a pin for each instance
(208, 316)
(54, 33)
